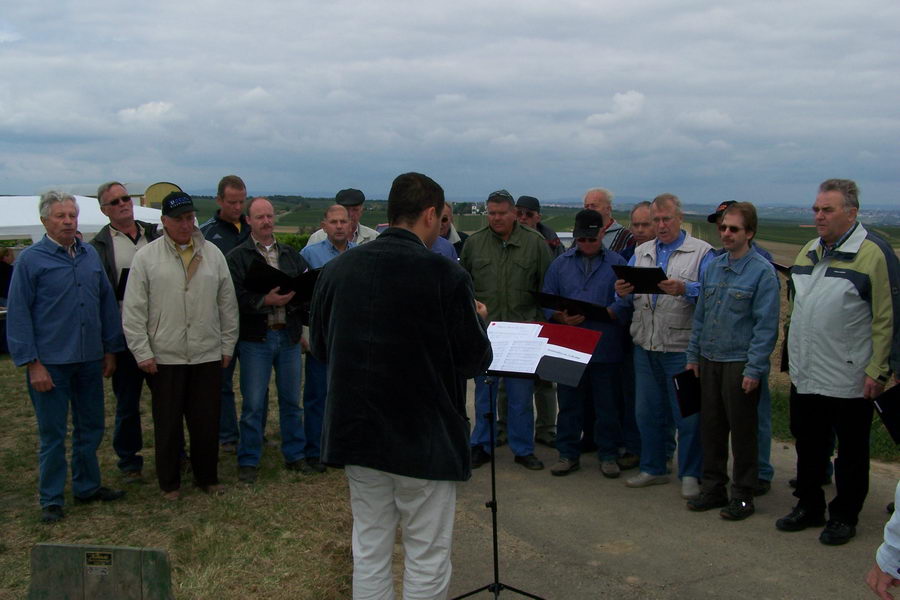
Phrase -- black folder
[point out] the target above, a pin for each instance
(687, 389)
(123, 281)
(262, 278)
(591, 311)
(888, 407)
(644, 279)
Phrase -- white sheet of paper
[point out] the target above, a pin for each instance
(568, 354)
(517, 355)
(505, 329)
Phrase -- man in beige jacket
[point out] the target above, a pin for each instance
(180, 317)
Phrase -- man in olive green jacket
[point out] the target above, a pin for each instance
(507, 262)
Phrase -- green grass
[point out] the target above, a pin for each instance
(286, 537)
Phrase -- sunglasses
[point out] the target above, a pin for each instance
(115, 201)
(731, 228)
(586, 240)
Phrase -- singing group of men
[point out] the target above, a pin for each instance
(396, 328)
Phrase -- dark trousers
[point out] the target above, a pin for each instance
(725, 409)
(813, 418)
(600, 386)
(127, 382)
(191, 393)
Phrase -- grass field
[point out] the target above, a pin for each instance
(287, 537)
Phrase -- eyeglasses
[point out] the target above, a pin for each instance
(731, 228)
(586, 240)
(115, 201)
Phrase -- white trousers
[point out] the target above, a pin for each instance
(424, 509)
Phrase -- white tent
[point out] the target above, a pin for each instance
(19, 218)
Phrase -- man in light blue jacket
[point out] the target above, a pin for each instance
(733, 335)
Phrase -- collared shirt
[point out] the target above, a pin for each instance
(827, 250)
(318, 254)
(62, 308)
(124, 246)
(574, 275)
(444, 248)
(186, 252)
(663, 252)
(361, 236)
(270, 253)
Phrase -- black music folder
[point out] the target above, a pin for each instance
(887, 405)
(591, 311)
(123, 281)
(644, 279)
(687, 389)
(262, 278)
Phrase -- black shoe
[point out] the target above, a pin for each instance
(300, 466)
(52, 513)
(837, 533)
(501, 439)
(103, 494)
(826, 481)
(798, 520)
(548, 440)
(247, 474)
(530, 462)
(705, 502)
(737, 510)
(315, 464)
(479, 457)
(762, 487)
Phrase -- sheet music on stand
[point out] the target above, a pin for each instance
(551, 352)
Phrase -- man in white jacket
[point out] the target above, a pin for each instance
(180, 317)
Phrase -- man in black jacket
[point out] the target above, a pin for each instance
(227, 229)
(400, 330)
(270, 330)
(116, 245)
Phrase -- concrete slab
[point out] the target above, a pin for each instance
(587, 537)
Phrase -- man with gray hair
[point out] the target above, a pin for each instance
(840, 322)
(63, 323)
(116, 245)
(661, 329)
(616, 237)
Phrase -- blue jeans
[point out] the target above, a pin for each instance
(654, 404)
(128, 440)
(314, 392)
(257, 360)
(519, 416)
(81, 385)
(764, 434)
(600, 384)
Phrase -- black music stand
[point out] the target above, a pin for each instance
(549, 369)
(496, 586)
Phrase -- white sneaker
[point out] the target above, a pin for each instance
(643, 479)
(690, 487)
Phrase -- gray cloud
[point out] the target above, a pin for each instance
(704, 99)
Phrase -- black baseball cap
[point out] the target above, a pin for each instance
(501, 196)
(529, 203)
(588, 224)
(177, 203)
(721, 208)
(350, 197)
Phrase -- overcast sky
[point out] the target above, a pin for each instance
(754, 101)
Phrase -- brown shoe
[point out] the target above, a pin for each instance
(172, 496)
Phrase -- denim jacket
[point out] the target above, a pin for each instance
(736, 319)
